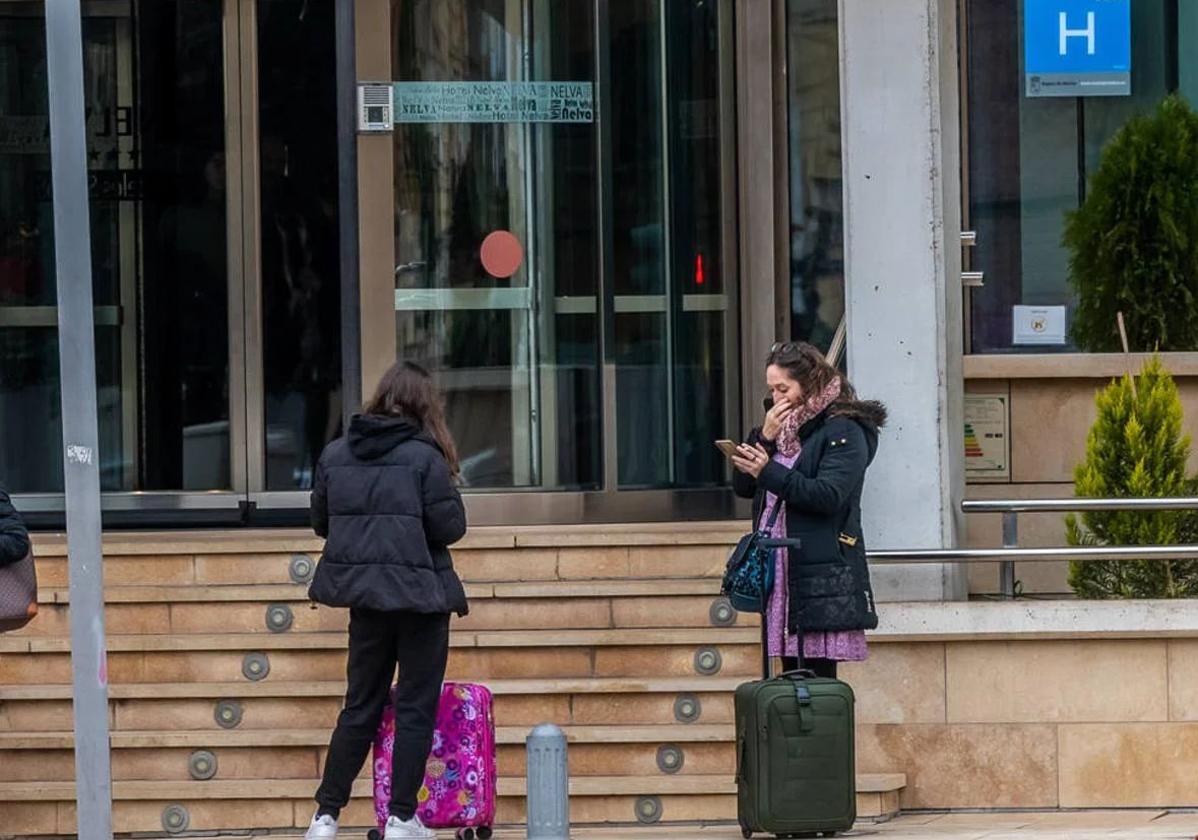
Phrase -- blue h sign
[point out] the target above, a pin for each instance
(1077, 47)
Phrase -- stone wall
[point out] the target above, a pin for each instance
(1051, 411)
(1033, 705)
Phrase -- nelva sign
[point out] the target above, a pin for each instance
(1077, 47)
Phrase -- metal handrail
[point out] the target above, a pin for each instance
(1076, 505)
(1084, 553)
(1010, 552)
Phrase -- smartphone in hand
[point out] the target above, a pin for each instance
(728, 447)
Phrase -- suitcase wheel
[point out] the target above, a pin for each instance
(746, 832)
(484, 832)
(464, 834)
(374, 834)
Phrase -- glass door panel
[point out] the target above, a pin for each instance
(299, 242)
(640, 268)
(154, 94)
(514, 347)
(519, 353)
(702, 245)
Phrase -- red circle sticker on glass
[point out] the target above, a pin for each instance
(501, 254)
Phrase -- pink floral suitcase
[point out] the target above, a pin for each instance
(459, 779)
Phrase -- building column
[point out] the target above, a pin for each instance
(902, 196)
(764, 219)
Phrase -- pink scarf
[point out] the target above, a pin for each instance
(788, 438)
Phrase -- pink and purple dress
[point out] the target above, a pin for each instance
(841, 646)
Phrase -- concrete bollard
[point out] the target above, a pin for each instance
(548, 786)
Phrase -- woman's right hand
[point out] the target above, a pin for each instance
(775, 419)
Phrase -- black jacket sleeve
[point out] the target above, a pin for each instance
(841, 469)
(743, 484)
(444, 514)
(14, 539)
(320, 502)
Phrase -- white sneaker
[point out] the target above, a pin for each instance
(398, 829)
(323, 827)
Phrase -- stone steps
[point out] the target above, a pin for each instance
(336, 688)
(323, 640)
(320, 655)
(644, 604)
(297, 592)
(166, 755)
(695, 733)
(143, 806)
(616, 633)
(299, 753)
(487, 555)
(301, 704)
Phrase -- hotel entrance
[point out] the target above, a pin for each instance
(548, 224)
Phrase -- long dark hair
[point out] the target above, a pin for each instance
(407, 390)
(806, 365)
(809, 367)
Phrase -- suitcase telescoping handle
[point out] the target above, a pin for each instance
(798, 674)
(772, 543)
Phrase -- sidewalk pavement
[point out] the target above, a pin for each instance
(1073, 825)
(1107, 825)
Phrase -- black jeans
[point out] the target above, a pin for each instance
(378, 641)
(821, 667)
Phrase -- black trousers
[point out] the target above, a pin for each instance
(821, 667)
(378, 641)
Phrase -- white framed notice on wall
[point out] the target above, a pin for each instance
(1038, 325)
(987, 437)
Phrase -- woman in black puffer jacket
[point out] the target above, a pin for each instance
(385, 499)
(14, 539)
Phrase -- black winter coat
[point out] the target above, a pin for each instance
(828, 577)
(384, 498)
(14, 539)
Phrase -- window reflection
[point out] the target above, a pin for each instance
(816, 203)
(301, 297)
(1028, 158)
(155, 136)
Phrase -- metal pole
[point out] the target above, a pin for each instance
(77, 366)
(347, 210)
(1010, 539)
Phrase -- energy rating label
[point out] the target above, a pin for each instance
(987, 445)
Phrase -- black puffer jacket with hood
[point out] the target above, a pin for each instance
(829, 587)
(384, 499)
(14, 539)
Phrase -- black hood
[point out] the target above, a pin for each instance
(870, 415)
(373, 436)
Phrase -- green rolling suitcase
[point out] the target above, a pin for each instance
(795, 760)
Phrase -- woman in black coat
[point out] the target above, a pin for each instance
(809, 458)
(14, 539)
(385, 499)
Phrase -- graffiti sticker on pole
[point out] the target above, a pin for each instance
(1077, 47)
(494, 102)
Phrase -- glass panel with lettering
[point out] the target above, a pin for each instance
(496, 280)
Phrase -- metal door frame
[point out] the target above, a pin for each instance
(244, 299)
